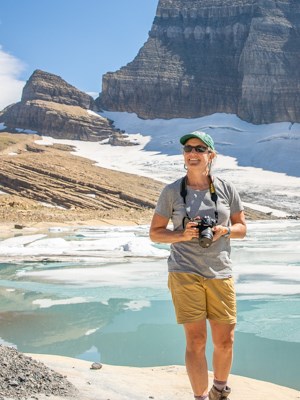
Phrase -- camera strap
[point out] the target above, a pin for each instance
(212, 190)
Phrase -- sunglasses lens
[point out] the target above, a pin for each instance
(188, 149)
(198, 149)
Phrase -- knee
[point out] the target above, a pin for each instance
(196, 343)
(224, 343)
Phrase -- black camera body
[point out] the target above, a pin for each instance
(205, 232)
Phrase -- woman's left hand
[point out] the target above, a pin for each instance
(238, 227)
(218, 230)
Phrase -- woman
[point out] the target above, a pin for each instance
(206, 213)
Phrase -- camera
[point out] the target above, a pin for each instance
(205, 232)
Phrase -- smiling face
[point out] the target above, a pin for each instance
(198, 160)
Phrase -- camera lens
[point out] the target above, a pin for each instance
(206, 237)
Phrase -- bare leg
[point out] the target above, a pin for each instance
(222, 337)
(195, 359)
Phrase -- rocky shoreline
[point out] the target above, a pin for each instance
(22, 377)
(78, 380)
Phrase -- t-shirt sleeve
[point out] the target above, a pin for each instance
(236, 204)
(164, 206)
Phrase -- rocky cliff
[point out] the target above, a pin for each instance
(50, 106)
(207, 56)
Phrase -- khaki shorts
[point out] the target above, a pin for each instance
(196, 298)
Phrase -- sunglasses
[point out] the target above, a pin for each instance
(198, 149)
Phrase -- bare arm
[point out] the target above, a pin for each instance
(161, 234)
(238, 227)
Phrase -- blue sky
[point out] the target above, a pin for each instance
(79, 40)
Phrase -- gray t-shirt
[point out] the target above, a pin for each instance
(211, 262)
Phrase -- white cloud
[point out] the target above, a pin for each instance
(10, 86)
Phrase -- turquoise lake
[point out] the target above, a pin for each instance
(100, 294)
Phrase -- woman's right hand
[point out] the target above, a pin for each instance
(160, 233)
(190, 232)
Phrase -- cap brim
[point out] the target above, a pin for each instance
(185, 138)
(204, 137)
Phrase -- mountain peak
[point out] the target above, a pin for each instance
(212, 56)
(49, 87)
(51, 106)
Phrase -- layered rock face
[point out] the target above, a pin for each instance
(49, 87)
(51, 175)
(50, 106)
(207, 56)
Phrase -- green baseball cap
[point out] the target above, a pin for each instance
(204, 137)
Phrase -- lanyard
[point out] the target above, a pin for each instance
(213, 194)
